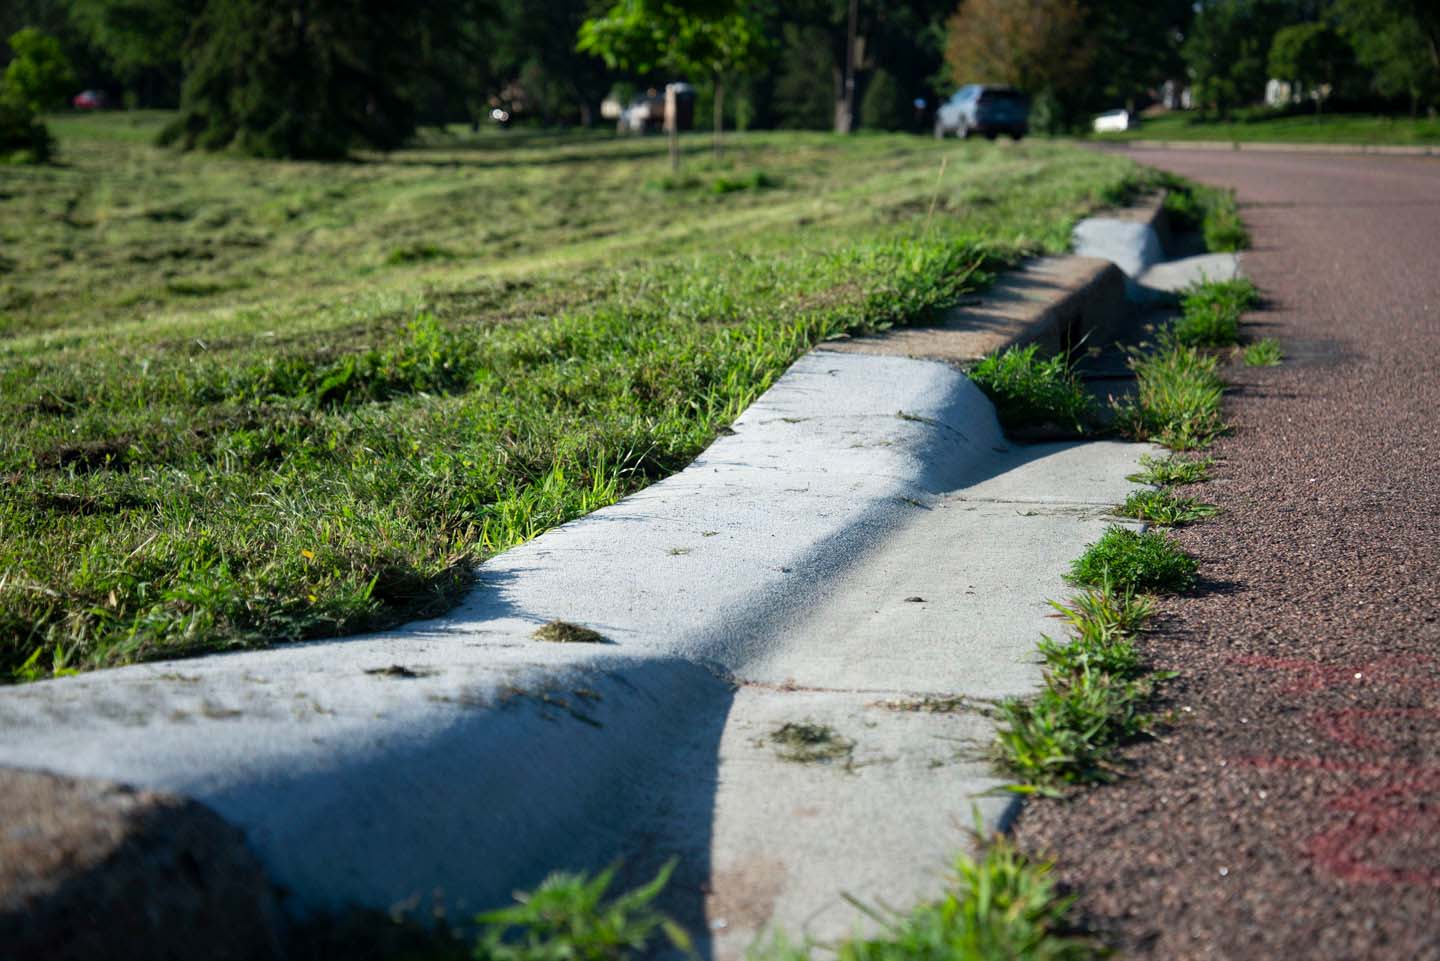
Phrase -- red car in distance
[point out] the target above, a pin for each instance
(91, 100)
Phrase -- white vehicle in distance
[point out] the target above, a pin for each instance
(1113, 121)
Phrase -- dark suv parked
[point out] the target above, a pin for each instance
(986, 110)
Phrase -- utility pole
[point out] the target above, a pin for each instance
(846, 121)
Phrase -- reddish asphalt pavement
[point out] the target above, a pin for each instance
(1292, 810)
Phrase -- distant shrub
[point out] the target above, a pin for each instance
(23, 138)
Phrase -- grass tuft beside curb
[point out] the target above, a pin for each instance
(1134, 561)
(1164, 508)
(1172, 470)
(1210, 312)
(1263, 353)
(1178, 396)
(1033, 391)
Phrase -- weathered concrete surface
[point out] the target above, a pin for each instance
(465, 756)
(1132, 245)
(1056, 302)
(91, 869)
(1165, 280)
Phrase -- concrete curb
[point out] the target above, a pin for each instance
(804, 570)
(1056, 302)
(1423, 150)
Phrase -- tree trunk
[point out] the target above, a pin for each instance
(719, 112)
(845, 121)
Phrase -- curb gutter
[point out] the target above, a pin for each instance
(863, 545)
(1419, 150)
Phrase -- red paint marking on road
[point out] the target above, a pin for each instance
(1378, 813)
(1316, 675)
(1380, 819)
(1345, 726)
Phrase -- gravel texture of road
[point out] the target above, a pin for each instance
(1292, 807)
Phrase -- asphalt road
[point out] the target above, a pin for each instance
(1293, 808)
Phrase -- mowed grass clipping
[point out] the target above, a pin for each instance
(245, 402)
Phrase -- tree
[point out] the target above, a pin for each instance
(38, 76)
(1310, 57)
(1228, 49)
(722, 39)
(1037, 46)
(1136, 46)
(1398, 41)
(302, 78)
(885, 106)
(140, 40)
(805, 92)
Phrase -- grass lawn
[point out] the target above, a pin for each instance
(245, 402)
(1301, 128)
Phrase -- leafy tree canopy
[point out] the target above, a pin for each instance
(1398, 41)
(39, 76)
(306, 78)
(1034, 45)
(1310, 57)
(137, 35)
(715, 37)
(1228, 48)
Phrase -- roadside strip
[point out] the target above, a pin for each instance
(801, 636)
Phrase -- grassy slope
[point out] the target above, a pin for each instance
(244, 402)
(1303, 128)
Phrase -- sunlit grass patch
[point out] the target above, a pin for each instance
(998, 904)
(1164, 508)
(1172, 469)
(1029, 390)
(245, 402)
(1095, 697)
(1263, 353)
(1128, 560)
(1211, 311)
(1178, 396)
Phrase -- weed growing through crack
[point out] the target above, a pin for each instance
(1068, 734)
(571, 917)
(1105, 611)
(1031, 391)
(998, 904)
(1001, 904)
(1172, 470)
(1263, 353)
(1178, 396)
(1094, 698)
(563, 632)
(1211, 311)
(1164, 508)
(1130, 561)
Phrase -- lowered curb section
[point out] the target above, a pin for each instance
(797, 642)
